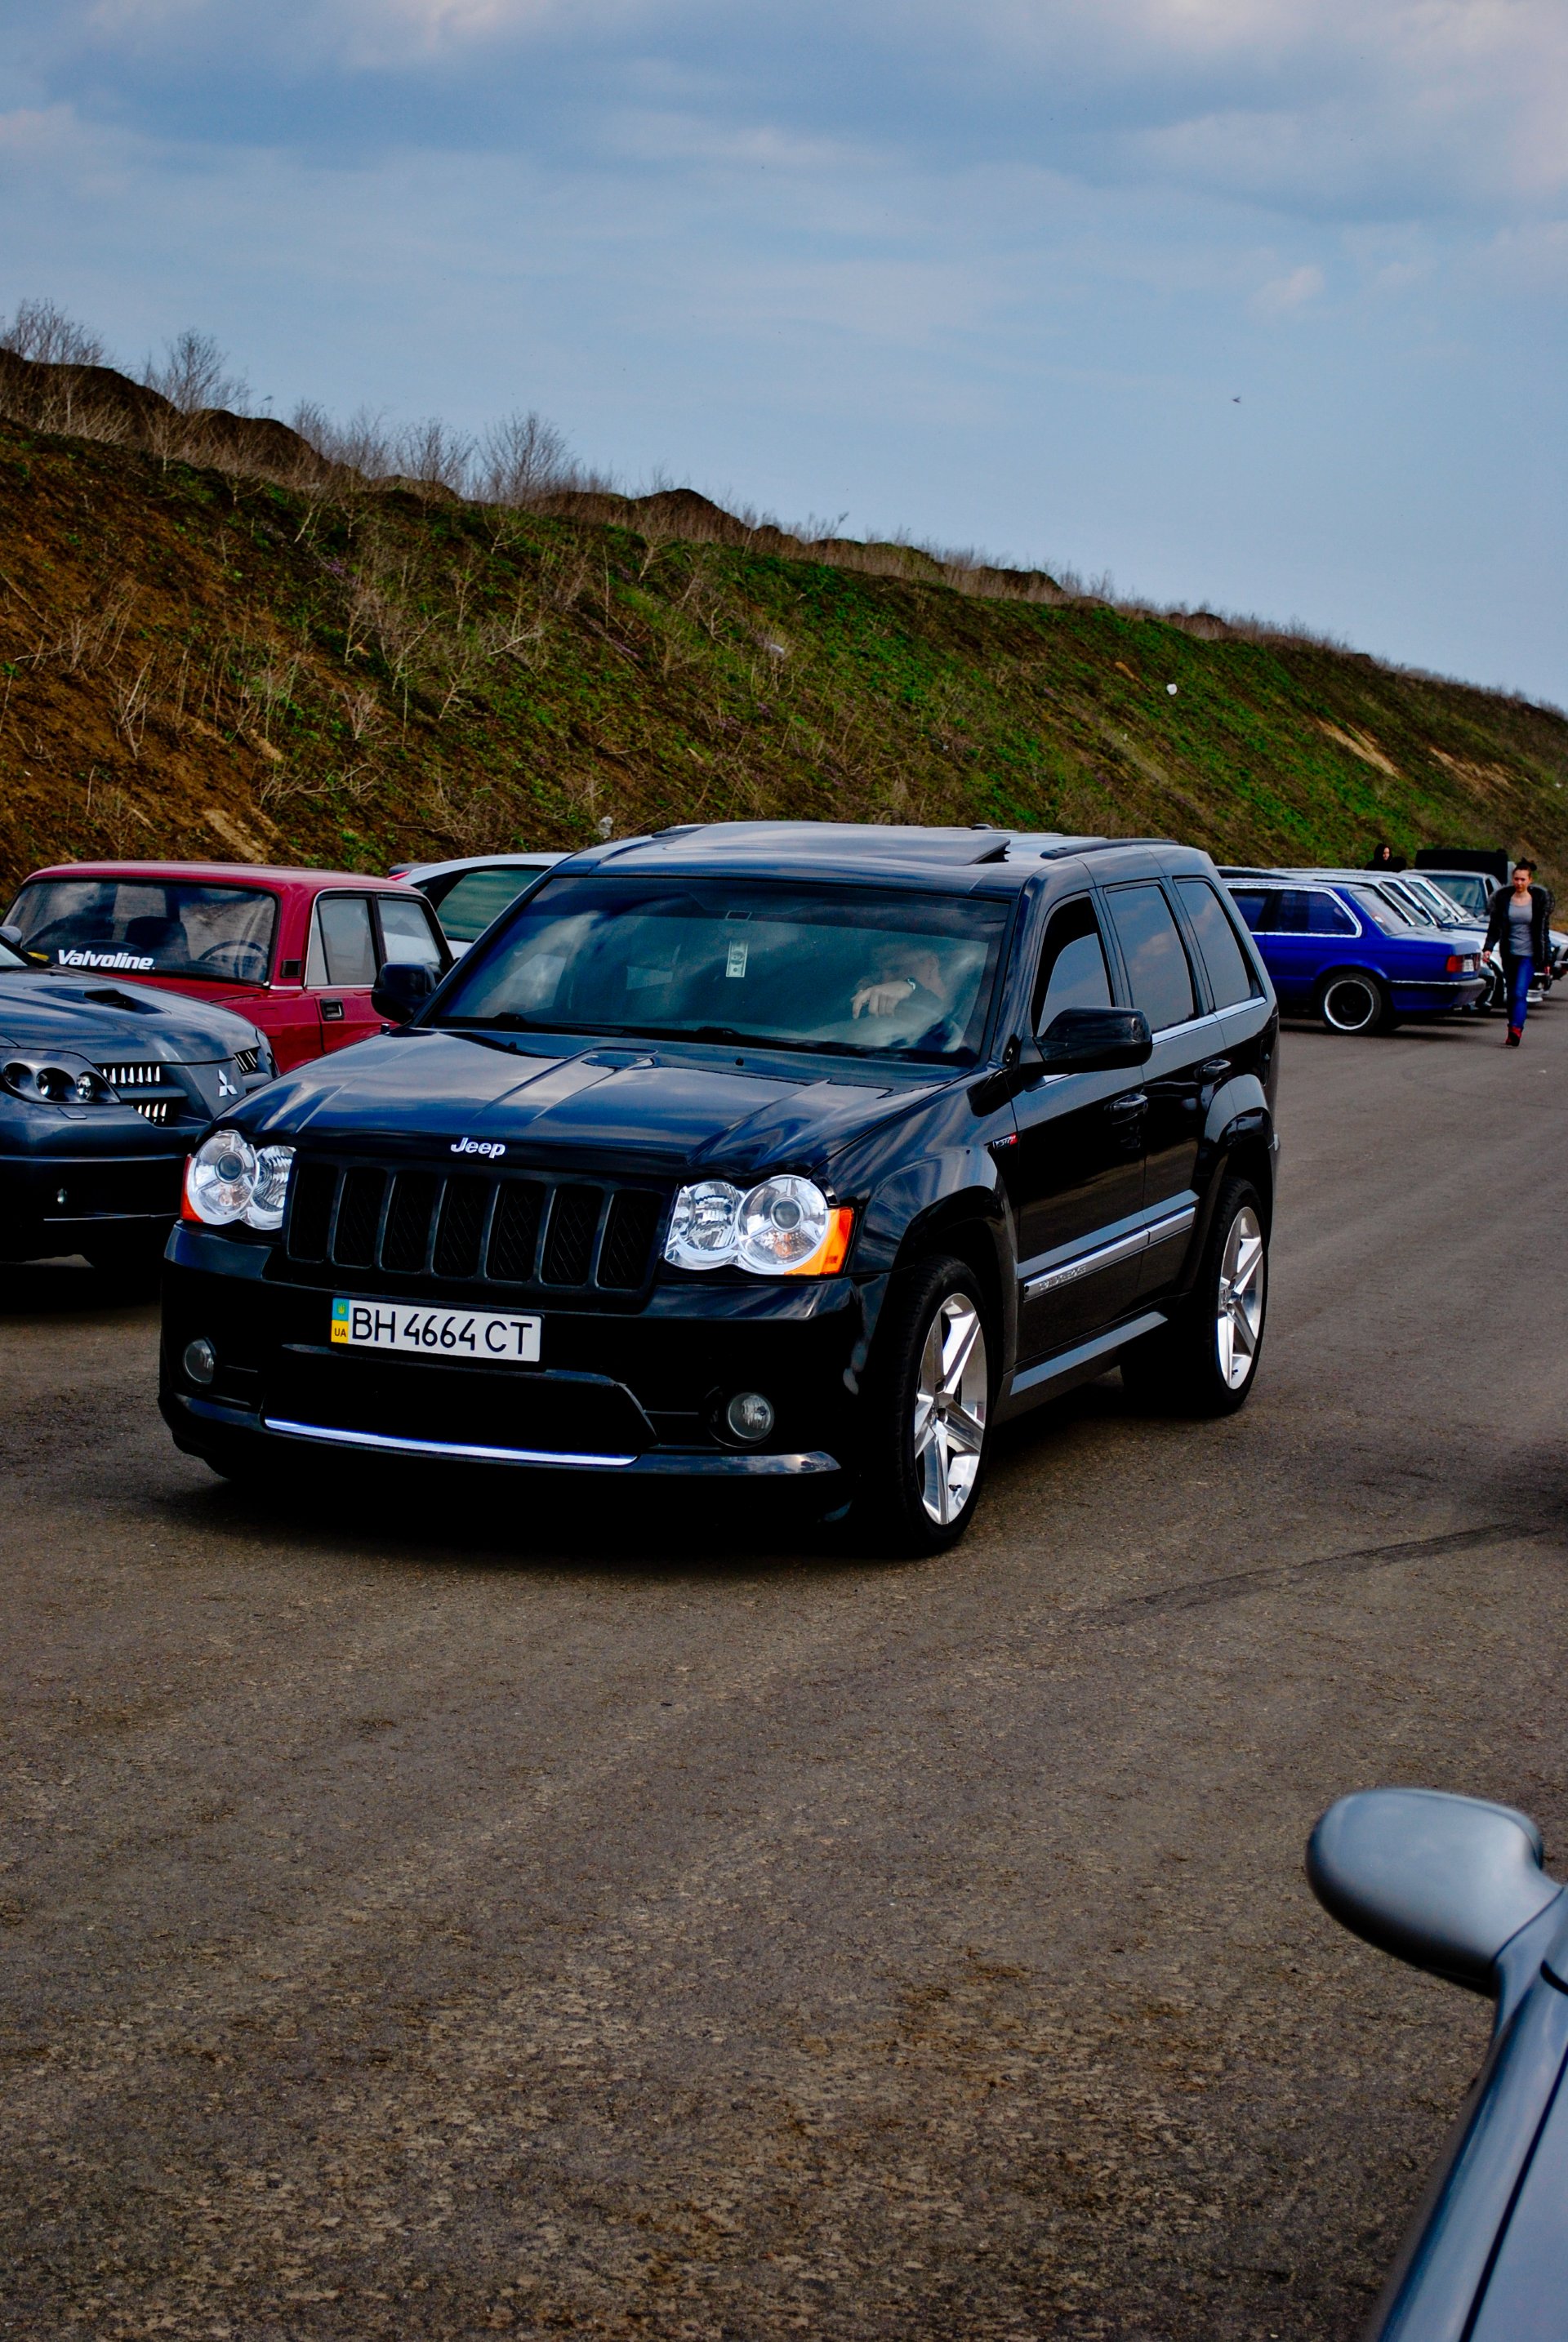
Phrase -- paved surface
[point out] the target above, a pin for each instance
(437, 1921)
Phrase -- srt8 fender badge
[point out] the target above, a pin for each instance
(487, 1146)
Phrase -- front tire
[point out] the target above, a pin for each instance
(928, 1405)
(1205, 1360)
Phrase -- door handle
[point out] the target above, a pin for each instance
(1119, 1109)
(331, 1008)
(1213, 1068)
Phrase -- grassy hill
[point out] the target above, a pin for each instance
(208, 661)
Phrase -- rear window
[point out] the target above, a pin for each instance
(1230, 978)
(150, 926)
(467, 909)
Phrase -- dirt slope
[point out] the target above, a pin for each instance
(196, 661)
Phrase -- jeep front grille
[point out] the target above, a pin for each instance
(511, 1230)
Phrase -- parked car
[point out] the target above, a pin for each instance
(104, 1088)
(1470, 890)
(296, 951)
(467, 895)
(1339, 950)
(1457, 1887)
(796, 1154)
(1423, 906)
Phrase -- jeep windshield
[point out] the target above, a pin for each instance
(858, 971)
(148, 926)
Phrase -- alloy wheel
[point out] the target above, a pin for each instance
(1352, 1005)
(1239, 1313)
(950, 1406)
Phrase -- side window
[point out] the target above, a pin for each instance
(342, 949)
(1155, 955)
(407, 933)
(467, 909)
(1230, 978)
(1327, 917)
(1253, 903)
(1073, 973)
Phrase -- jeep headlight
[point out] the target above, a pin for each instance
(229, 1180)
(782, 1227)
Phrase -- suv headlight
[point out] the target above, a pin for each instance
(229, 1180)
(43, 1081)
(782, 1227)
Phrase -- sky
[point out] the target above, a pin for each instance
(1255, 305)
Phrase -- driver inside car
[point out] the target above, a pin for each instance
(912, 977)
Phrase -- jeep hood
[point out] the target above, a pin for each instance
(599, 1108)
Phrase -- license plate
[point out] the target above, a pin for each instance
(435, 1333)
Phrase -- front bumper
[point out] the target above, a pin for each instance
(54, 1204)
(627, 1394)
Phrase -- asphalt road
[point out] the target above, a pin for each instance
(437, 1917)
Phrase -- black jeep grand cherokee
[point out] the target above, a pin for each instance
(790, 1151)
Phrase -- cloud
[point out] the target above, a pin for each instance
(1281, 294)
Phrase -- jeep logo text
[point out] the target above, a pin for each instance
(488, 1146)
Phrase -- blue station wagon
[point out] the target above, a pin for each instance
(1342, 951)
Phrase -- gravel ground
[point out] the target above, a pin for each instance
(430, 1912)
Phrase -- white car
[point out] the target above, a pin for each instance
(467, 895)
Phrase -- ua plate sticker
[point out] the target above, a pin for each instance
(446, 1333)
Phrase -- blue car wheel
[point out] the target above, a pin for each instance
(1351, 1000)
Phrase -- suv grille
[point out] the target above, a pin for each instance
(150, 1085)
(507, 1231)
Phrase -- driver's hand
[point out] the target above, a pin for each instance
(882, 999)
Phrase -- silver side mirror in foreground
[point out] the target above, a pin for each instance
(1444, 1881)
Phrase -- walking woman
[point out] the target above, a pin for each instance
(1517, 927)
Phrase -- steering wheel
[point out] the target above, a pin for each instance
(248, 960)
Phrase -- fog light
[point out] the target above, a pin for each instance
(750, 1415)
(202, 1360)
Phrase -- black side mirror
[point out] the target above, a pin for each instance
(401, 990)
(1441, 1881)
(1092, 1040)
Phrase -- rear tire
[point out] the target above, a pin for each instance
(1205, 1360)
(1355, 1002)
(927, 1408)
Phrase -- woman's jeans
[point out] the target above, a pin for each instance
(1521, 975)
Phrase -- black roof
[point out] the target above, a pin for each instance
(851, 849)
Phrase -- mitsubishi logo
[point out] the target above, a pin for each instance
(225, 1088)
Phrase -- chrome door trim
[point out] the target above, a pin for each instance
(1158, 1231)
(1087, 1263)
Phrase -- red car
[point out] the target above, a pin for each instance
(295, 951)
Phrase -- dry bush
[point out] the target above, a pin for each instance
(42, 331)
(193, 375)
(520, 459)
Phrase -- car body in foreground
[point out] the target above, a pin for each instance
(789, 1153)
(1338, 948)
(104, 1088)
(468, 894)
(1457, 1887)
(297, 952)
